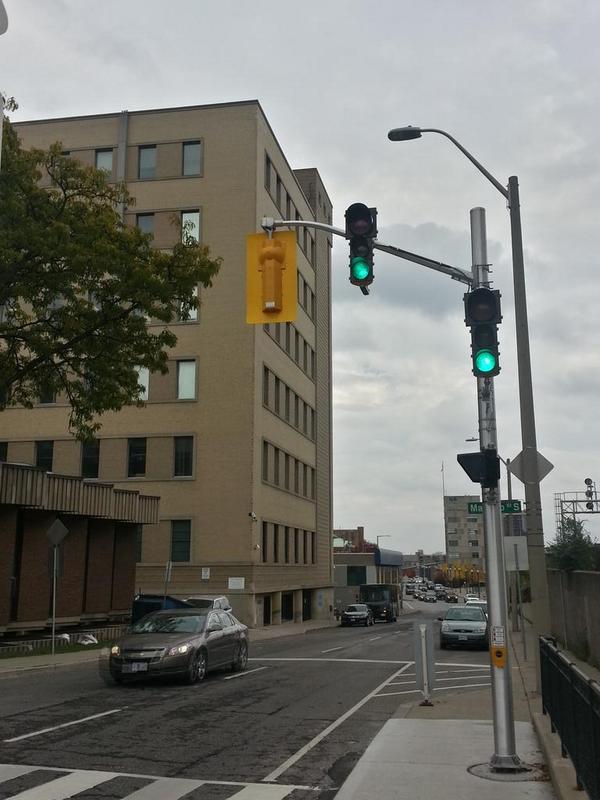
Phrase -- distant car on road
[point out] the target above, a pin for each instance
(182, 642)
(463, 627)
(451, 597)
(468, 597)
(357, 614)
(430, 596)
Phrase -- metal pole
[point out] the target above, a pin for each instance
(519, 603)
(424, 666)
(516, 577)
(505, 757)
(54, 577)
(540, 604)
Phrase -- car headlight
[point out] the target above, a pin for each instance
(445, 627)
(179, 650)
(115, 650)
(480, 629)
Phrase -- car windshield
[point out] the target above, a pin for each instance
(170, 623)
(465, 614)
(356, 608)
(200, 602)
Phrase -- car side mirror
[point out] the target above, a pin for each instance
(214, 626)
(440, 619)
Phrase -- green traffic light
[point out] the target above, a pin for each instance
(485, 361)
(359, 268)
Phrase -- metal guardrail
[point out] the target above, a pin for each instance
(572, 701)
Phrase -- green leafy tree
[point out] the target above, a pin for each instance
(573, 548)
(78, 286)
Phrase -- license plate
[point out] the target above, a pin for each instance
(136, 666)
(462, 638)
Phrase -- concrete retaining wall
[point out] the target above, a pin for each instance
(575, 612)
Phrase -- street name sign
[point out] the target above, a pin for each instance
(506, 506)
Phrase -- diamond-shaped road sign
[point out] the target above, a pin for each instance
(3, 19)
(530, 466)
(57, 532)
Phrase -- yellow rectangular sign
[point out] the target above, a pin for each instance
(271, 277)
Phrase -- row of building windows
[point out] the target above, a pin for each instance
(283, 201)
(283, 401)
(183, 456)
(191, 160)
(185, 383)
(284, 545)
(287, 472)
(294, 344)
(181, 537)
(189, 221)
(306, 297)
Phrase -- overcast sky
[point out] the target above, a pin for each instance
(516, 82)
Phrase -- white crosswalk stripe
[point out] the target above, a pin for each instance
(68, 783)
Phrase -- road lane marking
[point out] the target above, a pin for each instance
(394, 694)
(338, 660)
(262, 792)
(331, 649)
(66, 786)
(463, 678)
(401, 683)
(374, 638)
(10, 771)
(272, 776)
(64, 725)
(454, 664)
(243, 674)
(165, 789)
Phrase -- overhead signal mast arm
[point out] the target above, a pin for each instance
(456, 273)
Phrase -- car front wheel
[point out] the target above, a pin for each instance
(196, 670)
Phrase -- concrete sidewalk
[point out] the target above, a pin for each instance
(426, 751)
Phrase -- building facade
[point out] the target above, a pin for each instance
(351, 569)
(236, 437)
(465, 545)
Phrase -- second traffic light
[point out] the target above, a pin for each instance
(483, 315)
(361, 230)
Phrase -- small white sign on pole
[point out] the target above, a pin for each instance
(205, 574)
(515, 553)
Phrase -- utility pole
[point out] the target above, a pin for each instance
(505, 758)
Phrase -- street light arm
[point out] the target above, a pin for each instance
(471, 158)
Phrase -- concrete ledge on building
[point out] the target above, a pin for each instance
(289, 629)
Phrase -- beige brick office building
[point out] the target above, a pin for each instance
(236, 438)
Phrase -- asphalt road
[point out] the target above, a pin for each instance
(292, 726)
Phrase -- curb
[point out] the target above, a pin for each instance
(561, 770)
(7, 673)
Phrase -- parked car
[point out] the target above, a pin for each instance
(464, 627)
(357, 614)
(430, 596)
(468, 597)
(441, 593)
(182, 642)
(209, 601)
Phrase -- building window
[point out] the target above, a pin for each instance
(474, 543)
(190, 225)
(47, 396)
(138, 544)
(277, 394)
(43, 455)
(265, 461)
(305, 543)
(296, 546)
(278, 192)
(265, 541)
(104, 160)
(147, 162)
(192, 158)
(143, 381)
(288, 393)
(276, 452)
(90, 459)
(3, 451)
(266, 386)
(286, 544)
(181, 534)
(145, 223)
(452, 542)
(286, 473)
(313, 547)
(267, 173)
(184, 456)
(276, 544)
(186, 380)
(136, 457)
(191, 315)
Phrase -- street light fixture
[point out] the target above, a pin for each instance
(540, 610)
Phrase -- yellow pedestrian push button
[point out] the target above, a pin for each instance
(271, 277)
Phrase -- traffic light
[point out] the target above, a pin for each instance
(483, 315)
(361, 230)
(271, 277)
(589, 493)
(482, 467)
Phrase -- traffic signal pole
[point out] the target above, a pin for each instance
(504, 758)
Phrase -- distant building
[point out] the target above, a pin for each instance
(351, 540)
(351, 569)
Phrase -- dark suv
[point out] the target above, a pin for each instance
(357, 614)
